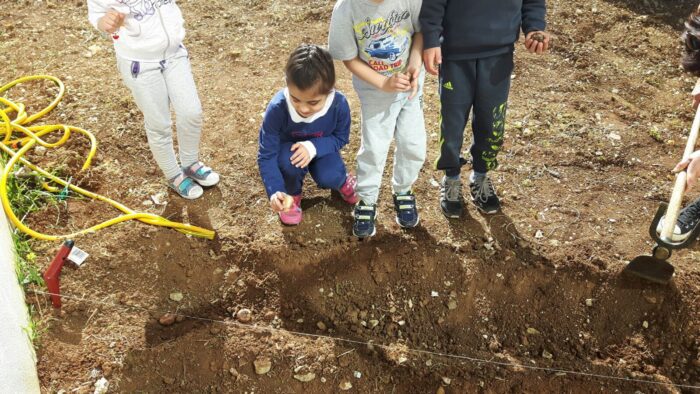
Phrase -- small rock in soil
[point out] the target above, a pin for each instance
(345, 385)
(167, 320)
(177, 297)
(321, 326)
(446, 380)
(440, 390)
(262, 365)
(305, 377)
(168, 380)
(244, 315)
(589, 302)
(452, 305)
(547, 355)
(645, 324)
(357, 374)
(532, 331)
(101, 386)
(344, 361)
(269, 315)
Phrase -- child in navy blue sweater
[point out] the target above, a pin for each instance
(304, 128)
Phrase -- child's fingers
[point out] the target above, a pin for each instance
(277, 202)
(691, 182)
(295, 147)
(681, 166)
(402, 82)
(414, 89)
(528, 44)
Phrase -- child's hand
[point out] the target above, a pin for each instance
(397, 83)
(432, 58)
(693, 169)
(537, 42)
(301, 157)
(413, 72)
(111, 22)
(281, 202)
(696, 94)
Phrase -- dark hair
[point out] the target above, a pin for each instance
(691, 39)
(310, 65)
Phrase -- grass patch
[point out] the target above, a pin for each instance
(27, 196)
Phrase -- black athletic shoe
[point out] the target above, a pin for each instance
(406, 211)
(484, 195)
(688, 219)
(364, 216)
(451, 201)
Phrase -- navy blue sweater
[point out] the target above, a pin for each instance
(473, 29)
(328, 133)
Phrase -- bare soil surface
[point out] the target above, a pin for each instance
(593, 130)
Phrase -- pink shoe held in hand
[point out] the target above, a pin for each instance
(292, 216)
(347, 191)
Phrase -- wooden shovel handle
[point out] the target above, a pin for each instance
(674, 206)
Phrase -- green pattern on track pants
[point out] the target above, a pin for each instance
(480, 86)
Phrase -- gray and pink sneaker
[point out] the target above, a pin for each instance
(347, 191)
(292, 217)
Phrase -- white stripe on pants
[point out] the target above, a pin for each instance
(154, 89)
(402, 120)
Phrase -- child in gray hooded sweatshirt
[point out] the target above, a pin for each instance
(381, 44)
(155, 66)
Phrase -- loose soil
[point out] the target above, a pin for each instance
(593, 129)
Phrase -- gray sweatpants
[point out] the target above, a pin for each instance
(402, 121)
(156, 85)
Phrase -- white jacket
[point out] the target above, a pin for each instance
(153, 30)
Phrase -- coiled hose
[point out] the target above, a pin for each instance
(21, 135)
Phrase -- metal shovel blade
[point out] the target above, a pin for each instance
(651, 268)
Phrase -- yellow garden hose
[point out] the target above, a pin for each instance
(20, 135)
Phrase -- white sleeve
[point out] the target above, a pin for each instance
(309, 147)
(96, 10)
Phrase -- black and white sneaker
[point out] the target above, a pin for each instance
(688, 219)
(484, 195)
(364, 216)
(451, 201)
(406, 210)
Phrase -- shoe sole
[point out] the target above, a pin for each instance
(674, 237)
(374, 232)
(206, 184)
(187, 197)
(483, 210)
(449, 215)
(402, 226)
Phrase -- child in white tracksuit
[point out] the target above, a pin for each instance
(381, 44)
(155, 66)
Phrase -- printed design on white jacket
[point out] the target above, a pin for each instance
(141, 9)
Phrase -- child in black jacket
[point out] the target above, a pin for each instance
(473, 42)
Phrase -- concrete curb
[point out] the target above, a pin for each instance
(17, 358)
